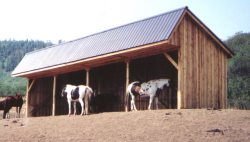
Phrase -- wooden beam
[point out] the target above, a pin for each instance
(87, 76)
(31, 85)
(169, 98)
(28, 88)
(86, 99)
(27, 99)
(126, 86)
(171, 60)
(54, 97)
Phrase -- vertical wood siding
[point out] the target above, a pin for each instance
(40, 97)
(203, 67)
(108, 82)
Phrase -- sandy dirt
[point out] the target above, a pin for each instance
(157, 125)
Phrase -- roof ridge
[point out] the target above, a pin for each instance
(144, 19)
(148, 18)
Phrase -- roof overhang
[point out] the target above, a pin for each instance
(84, 64)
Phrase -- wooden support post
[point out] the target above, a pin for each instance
(28, 88)
(87, 77)
(86, 99)
(27, 99)
(126, 86)
(169, 98)
(179, 82)
(177, 66)
(171, 60)
(54, 97)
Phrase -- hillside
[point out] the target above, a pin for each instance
(11, 53)
(239, 71)
(156, 125)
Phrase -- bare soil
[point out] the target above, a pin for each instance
(156, 125)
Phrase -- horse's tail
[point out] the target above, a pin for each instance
(88, 90)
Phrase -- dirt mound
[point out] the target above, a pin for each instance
(156, 125)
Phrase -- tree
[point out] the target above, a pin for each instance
(239, 71)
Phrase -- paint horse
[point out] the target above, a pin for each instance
(151, 87)
(133, 89)
(9, 102)
(77, 93)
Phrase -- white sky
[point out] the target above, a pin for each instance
(71, 19)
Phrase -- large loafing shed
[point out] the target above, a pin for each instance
(174, 45)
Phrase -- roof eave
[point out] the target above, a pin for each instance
(132, 53)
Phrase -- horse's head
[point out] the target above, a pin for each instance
(64, 93)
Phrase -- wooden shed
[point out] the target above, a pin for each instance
(174, 45)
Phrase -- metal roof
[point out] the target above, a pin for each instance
(150, 30)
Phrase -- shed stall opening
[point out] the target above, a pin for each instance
(174, 45)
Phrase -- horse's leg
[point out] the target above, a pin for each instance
(82, 105)
(156, 102)
(150, 102)
(131, 103)
(7, 108)
(69, 103)
(20, 107)
(6, 113)
(74, 108)
(134, 103)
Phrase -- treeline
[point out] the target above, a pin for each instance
(11, 53)
(239, 71)
(10, 86)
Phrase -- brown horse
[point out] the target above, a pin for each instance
(11, 101)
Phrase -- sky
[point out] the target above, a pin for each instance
(54, 20)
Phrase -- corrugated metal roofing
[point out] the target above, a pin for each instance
(150, 30)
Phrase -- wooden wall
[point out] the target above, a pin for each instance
(108, 82)
(40, 97)
(203, 67)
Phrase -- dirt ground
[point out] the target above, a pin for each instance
(157, 125)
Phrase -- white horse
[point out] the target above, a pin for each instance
(134, 89)
(150, 88)
(76, 93)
